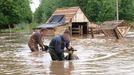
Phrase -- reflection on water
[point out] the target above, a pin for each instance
(96, 57)
(61, 68)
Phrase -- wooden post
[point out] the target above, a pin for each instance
(9, 30)
(92, 33)
(87, 29)
(79, 30)
(117, 10)
(70, 29)
(116, 34)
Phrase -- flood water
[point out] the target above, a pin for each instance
(97, 56)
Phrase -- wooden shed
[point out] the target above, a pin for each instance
(117, 29)
(67, 18)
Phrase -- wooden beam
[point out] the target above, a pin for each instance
(81, 29)
(92, 33)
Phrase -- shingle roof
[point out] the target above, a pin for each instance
(68, 12)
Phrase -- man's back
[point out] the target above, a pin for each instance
(33, 38)
(34, 41)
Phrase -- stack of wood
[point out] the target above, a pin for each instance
(116, 29)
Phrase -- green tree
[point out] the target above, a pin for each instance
(45, 9)
(126, 9)
(14, 11)
(95, 10)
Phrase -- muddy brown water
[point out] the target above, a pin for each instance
(96, 57)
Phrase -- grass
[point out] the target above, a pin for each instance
(22, 28)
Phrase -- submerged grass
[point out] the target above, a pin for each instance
(21, 28)
(27, 28)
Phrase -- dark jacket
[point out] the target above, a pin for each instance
(58, 43)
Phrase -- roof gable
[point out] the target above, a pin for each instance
(68, 12)
(79, 16)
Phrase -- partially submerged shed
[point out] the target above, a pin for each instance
(67, 18)
(117, 29)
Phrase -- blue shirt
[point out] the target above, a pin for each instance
(59, 43)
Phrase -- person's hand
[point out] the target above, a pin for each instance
(45, 48)
(70, 48)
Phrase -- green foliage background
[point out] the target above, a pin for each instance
(18, 11)
(14, 12)
(95, 10)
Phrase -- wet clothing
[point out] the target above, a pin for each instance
(56, 47)
(34, 41)
(56, 56)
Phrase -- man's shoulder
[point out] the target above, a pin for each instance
(57, 38)
(36, 33)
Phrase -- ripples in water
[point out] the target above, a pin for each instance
(96, 57)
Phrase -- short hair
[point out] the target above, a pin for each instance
(67, 32)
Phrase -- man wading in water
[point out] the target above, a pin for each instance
(37, 39)
(57, 45)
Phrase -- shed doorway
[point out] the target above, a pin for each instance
(80, 28)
